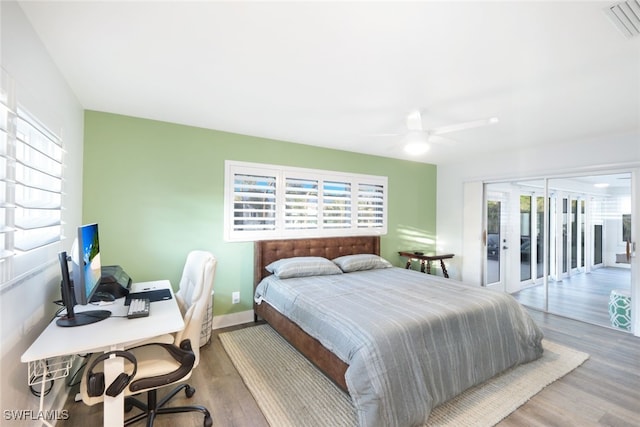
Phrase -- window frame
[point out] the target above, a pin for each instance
(283, 228)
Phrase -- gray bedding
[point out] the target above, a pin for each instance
(412, 341)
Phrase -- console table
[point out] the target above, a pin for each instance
(425, 261)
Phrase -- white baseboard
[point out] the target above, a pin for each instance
(226, 320)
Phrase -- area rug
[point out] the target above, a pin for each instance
(291, 391)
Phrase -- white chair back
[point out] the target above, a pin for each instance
(193, 296)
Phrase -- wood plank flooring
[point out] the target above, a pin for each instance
(604, 391)
(583, 296)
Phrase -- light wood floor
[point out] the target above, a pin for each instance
(604, 391)
(583, 296)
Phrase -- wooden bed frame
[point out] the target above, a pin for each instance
(267, 251)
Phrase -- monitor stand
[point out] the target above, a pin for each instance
(83, 318)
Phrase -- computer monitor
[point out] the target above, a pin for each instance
(85, 263)
(86, 269)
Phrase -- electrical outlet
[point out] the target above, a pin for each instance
(235, 298)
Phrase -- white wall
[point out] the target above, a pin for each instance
(595, 155)
(26, 306)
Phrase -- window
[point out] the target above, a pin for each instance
(267, 201)
(626, 227)
(31, 185)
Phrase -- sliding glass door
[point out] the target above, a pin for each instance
(572, 228)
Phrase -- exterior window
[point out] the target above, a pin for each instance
(31, 186)
(336, 204)
(371, 211)
(254, 202)
(301, 204)
(267, 201)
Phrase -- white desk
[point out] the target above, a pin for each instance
(113, 333)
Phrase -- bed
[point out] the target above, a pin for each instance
(400, 342)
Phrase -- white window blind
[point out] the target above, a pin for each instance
(7, 126)
(38, 194)
(31, 185)
(254, 202)
(301, 204)
(267, 201)
(370, 205)
(336, 209)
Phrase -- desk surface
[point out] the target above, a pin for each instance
(117, 330)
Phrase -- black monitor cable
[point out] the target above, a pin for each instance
(37, 392)
(71, 382)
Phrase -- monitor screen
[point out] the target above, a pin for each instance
(87, 272)
(86, 263)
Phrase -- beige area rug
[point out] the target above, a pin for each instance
(291, 391)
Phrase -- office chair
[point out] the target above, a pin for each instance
(161, 364)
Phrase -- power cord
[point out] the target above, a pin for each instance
(39, 393)
(71, 382)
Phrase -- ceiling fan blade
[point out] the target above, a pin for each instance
(462, 126)
(414, 121)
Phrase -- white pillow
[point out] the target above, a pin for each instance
(359, 262)
(287, 268)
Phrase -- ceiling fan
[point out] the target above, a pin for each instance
(417, 138)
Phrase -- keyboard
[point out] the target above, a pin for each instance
(139, 307)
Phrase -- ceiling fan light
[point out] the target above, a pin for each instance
(416, 148)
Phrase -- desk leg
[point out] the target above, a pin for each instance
(428, 263)
(113, 406)
(444, 269)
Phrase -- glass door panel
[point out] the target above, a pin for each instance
(525, 238)
(565, 235)
(585, 238)
(494, 216)
(574, 233)
(539, 237)
(583, 219)
(597, 244)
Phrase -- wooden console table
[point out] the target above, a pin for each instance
(425, 261)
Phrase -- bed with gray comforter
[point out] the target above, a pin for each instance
(412, 341)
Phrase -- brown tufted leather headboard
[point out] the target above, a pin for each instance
(267, 251)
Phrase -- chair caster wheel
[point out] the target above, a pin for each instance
(128, 407)
(208, 422)
(189, 391)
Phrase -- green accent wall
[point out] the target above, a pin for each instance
(156, 189)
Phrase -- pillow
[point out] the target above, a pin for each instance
(349, 263)
(286, 268)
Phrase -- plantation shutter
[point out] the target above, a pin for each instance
(301, 204)
(370, 206)
(336, 204)
(270, 201)
(254, 202)
(31, 184)
(7, 122)
(38, 185)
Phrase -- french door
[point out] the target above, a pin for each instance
(495, 239)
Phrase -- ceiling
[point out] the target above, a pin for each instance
(339, 75)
